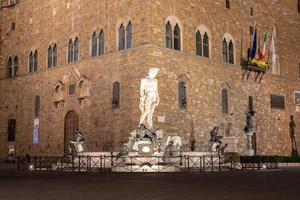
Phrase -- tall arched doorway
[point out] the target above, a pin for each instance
(71, 123)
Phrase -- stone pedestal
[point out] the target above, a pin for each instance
(145, 168)
(250, 151)
(232, 142)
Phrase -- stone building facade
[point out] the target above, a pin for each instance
(79, 94)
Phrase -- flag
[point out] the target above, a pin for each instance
(273, 51)
(262, 53)
(254, 45)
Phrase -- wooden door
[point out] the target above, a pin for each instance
(71, 124)
(11, 130)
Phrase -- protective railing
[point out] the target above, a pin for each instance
(259, 162)
(105, 163)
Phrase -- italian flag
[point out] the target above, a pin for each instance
(262, 54)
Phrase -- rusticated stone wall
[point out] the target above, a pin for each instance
(39, 23)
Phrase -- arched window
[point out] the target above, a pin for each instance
(202, 41)
(101, 43)
(228, 48)
(230, 52)
(177, 38)
(173, 34)
(121, 37)
(227, 4)
(205, 45)
(15, 66)
(70, 51)
(94, 45)
(98, 43)
(33, 61)
(182, 94)
(126, 36)
(73, 50)
(31, 68)
(12, 65)
(129, 35)
(224, 101)
(50, 61)
(198, 44)
(37, 106)
(76, 49)
(52, 55)
(225, 58)
(116, 95)
(168, 35)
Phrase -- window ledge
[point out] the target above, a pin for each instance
(203, 57)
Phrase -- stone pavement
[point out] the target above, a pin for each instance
(238, 185)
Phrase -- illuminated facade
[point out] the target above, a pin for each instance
(77, 64)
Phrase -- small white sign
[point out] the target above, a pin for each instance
(35, 136)
(297, 97)
(36, 123)
(36, 126)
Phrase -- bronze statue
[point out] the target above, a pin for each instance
(215, 139)
(249, 125)
(292, 135)
(228, 129)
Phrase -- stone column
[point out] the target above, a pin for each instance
(249, 133)
(250, 151)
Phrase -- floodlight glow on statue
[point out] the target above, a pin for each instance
(145, 139)
(149, 98)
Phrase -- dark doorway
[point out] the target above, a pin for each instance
(11, 130)
(71, 124)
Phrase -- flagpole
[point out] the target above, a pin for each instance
(258, 45)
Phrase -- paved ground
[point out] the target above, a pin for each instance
(239, 185)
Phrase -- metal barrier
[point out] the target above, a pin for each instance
(259, 162)
(106, 163)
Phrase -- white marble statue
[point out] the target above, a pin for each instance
(149, 98)
(145, 135)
